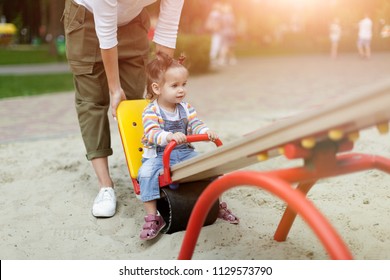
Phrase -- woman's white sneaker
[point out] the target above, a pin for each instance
(105, 203)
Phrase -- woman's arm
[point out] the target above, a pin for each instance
(110, 61)
(167, 25)
(105, 16)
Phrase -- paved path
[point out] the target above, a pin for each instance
(256, 90)
(34, 69)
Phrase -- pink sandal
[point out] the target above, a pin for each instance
(226, 215)
(153, 225)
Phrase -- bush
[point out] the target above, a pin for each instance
(196, 48)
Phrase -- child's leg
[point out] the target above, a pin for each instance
(148, 179)
(151, 207)
(180, 155)
(150, 191)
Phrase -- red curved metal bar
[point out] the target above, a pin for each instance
(289, 214)
(345, 164)
(165, 178)
(294, 198)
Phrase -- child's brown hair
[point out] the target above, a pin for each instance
(156, 69)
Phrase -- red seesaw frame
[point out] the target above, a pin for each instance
(165, 178)
(320, 162)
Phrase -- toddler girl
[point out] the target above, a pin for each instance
(166, 118)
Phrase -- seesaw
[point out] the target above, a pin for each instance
(317, 137)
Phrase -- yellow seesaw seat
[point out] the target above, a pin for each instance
(129, 117)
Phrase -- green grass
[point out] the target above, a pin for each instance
(26, 85)
(27, 54)
(17, 85)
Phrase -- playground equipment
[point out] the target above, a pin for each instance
(318, 137)
(7, 33)
(174, 205)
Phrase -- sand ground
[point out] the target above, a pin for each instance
(47, 186)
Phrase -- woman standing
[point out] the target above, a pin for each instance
(107, 49)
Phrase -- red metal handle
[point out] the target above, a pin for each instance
(165, 178)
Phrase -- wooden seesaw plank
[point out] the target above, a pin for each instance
(365, 108)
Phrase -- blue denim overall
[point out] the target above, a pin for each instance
(151, 167)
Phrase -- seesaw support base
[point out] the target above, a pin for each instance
(323, 162)
(345, 164)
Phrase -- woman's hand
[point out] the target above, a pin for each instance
(116, 98)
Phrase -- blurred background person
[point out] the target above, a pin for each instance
(228, 31)
(214, 25)
(334, 36)
(385, 29)
(364, 37)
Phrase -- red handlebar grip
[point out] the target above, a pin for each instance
(165, 179)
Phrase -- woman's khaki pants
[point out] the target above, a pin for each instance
(92, 95)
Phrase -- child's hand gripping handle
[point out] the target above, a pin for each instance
(165, 178)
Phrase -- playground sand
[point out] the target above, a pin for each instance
(46, 211)
(47, 187)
